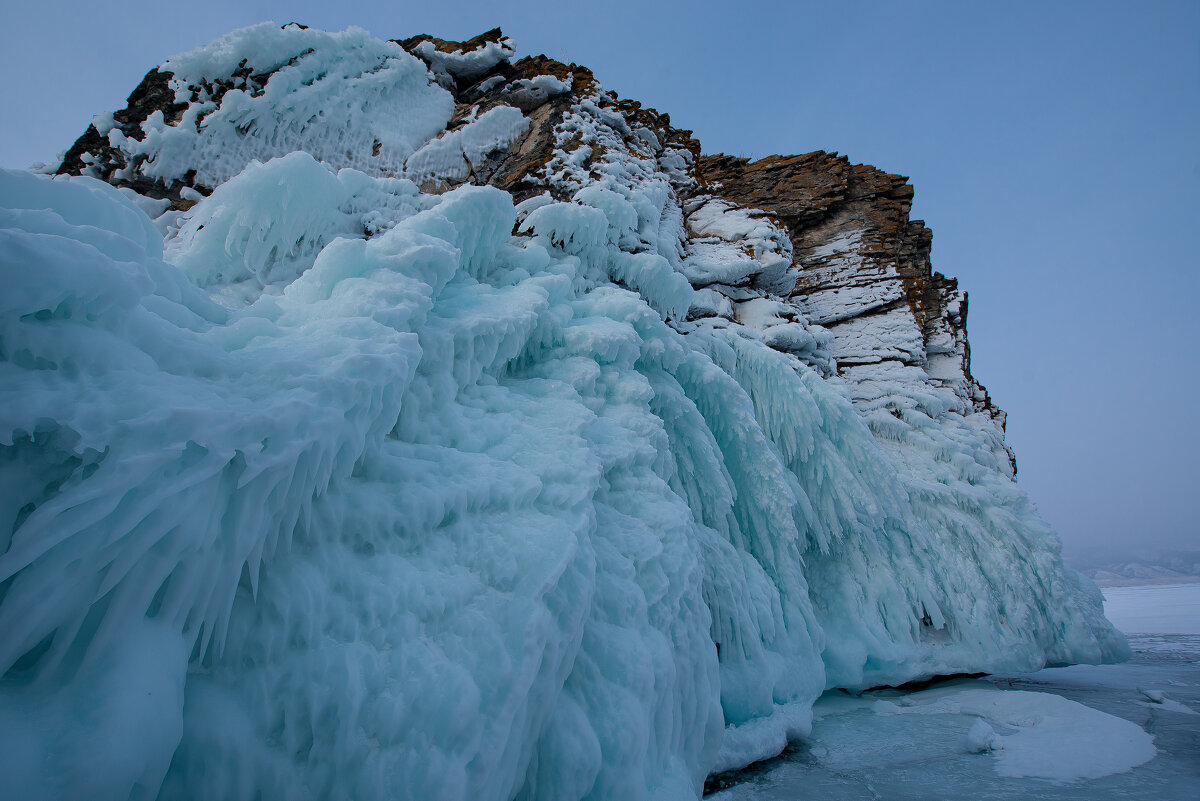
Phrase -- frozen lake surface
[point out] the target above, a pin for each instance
(1079, 732)
(1157, 609)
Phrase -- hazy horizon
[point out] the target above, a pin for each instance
(1053, 151)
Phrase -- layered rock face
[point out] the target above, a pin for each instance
(417, 421)
(865, 272)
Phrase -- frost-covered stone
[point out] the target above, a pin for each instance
(582, 473)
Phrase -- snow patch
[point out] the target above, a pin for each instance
(466, 65)
(452, 156)
(346, 98)
(1043, 736)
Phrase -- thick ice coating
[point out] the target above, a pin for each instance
(355, 492)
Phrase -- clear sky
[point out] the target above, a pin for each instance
(1054, 146)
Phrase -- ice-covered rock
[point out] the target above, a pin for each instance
(981, 737)
(581, 473)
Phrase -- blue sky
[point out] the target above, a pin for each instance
(1053, 147)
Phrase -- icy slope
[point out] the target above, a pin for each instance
(460, 442)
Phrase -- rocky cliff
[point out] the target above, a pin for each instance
(861, 266)
(414, 420)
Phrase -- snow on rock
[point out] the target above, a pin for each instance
(455, 496)
(746, 245)
(347, 99)
(462, 62)
(453, 155)
(785, 330)
(533, 92)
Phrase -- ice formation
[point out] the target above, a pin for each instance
(459, 442)
(1046, 736)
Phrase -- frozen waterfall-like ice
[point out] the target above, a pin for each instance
(357, 491)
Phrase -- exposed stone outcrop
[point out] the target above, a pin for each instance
(865, 270)
(93, 152)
